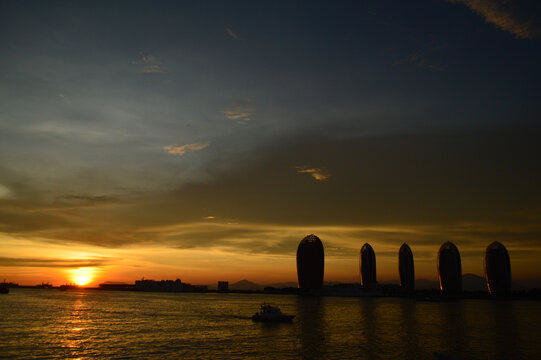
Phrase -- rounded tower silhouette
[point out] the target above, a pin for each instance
(449, 269)
(406, 268)
(310, 263)
(367, 266)
(498, 269)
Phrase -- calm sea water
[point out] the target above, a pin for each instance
(50, 324)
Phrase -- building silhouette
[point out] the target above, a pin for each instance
(367, 266)
(116, 286)
(449, 269)
(223, 286)
(406, 268)
(498, 269)
(310, 263)
(167, 286)
(161, 285)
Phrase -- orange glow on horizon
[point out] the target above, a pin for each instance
(82, 276)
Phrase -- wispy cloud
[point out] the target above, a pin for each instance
(182, 149)
(316, 173)
(152, 69)
(519, 17)
(241, 113)
(420, 61)
(81, 201)
(150, 64)
(233, 34)
(5, 192)
(63, 97)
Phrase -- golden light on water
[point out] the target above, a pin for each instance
(82, 276)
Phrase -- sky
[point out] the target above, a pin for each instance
(203, 140)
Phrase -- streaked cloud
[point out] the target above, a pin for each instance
(81, 201)
(344, 241)
(316, 173)
(152, 69)
(74, 131)
(89, 199)
(149, 64)
(52, 263)
(517, 17)
(182, 149)
(63, 97)
(232, 33)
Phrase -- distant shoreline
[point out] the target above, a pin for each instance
(418, 295)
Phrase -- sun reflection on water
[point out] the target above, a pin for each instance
(77, 324)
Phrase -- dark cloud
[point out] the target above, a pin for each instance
(423, 189)
(197, 237)
(521, 18)
(422, 179)
(53, 263)
(16, 219)
(89, 199)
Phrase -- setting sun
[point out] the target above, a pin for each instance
(82, 276)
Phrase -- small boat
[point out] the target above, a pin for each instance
(269, 313)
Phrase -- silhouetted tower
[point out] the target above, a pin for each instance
(449, 269)
(498, 269)
(310, 263)
(406, 269)
(367, 266)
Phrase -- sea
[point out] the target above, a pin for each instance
(94, 324)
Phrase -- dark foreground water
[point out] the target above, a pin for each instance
(51, 324)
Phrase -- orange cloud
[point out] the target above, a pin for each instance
(63, 97)
(511, 16)
(240, 113)
(181, 150)
(316, 173)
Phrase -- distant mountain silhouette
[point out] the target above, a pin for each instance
(249, 285)
(284, 285)
(245, 285)
(390, 282)
(472, 282)
(425, 284)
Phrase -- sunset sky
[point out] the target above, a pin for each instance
(203, 140)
